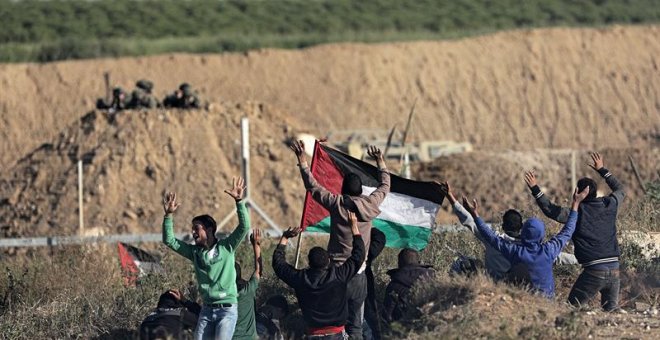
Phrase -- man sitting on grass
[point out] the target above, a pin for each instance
(537, 255)
(213, 260)
(321, 289)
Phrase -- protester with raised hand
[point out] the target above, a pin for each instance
(246, 326)
(596, 245)
(213, 261)
(321, 288)
(532, 251)
(340, 244)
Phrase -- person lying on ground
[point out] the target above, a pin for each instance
(537, 255)
(497, 266)
(596, 245)
(173, 315)
(213, 261)
(321, 289)
(247, 293)
(340, 242)
(409, 273)
(269, 317)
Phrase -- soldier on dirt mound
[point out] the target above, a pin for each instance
(142, 96)
(120, 101)
(183, 98)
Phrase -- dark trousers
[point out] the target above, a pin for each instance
(592, 281)
(356, 293)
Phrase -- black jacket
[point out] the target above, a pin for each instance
(169, 323)
(595, 233)
(376, 246)
(397, 291)
(321, 293)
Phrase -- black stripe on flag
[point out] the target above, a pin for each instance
(368, 173)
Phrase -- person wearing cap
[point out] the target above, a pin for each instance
(322, 288)
(183, 98)
(213, 260)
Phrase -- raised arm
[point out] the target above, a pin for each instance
(549, 209)
(557, 243)
(350, 267)
(617, 188)
(286, 272)
(463, 215)
(319, 193)
(507, 248)
(234, 239)
(255, 239)
(377, 196)
(170, 204)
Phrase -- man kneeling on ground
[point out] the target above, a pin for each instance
(409, 272)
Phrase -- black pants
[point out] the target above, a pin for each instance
(356, 293)
(592, 281)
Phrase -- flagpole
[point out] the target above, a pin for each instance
(298, 250)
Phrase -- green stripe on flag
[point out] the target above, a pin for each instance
(397, 235)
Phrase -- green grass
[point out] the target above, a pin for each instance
(55, 30)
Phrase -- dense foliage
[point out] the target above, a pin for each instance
(59, 29)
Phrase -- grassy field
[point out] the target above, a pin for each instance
(54, 30)
(77, 292)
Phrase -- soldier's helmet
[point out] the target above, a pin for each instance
(144, 84)
(117, 91)
(186, 89)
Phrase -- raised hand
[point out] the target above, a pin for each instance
(530, 178)
(445, 189)
(255, 238)
(598, 161)
(472, 208)
(170, 203)
(298, 147)
(580, 196)
(237, 188)
(375, 153)
(176, 294)
(291, 232)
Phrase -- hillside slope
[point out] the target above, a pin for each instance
(551, 88)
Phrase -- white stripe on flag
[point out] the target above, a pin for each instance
(406, 210)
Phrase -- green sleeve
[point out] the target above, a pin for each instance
(253, 284)
(184, 249)
(234, 239)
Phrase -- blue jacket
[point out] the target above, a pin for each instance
(536, 255)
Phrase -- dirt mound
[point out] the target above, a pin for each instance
(549, 88)
(132, 159)
(497, 178)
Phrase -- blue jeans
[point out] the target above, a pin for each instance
(216, 323)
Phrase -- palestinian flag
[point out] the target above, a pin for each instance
(407, 214)
(136, 263)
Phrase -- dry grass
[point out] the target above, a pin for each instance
(77, 292)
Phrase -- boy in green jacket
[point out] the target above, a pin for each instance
(213, 260)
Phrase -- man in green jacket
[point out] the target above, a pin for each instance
(213, 260)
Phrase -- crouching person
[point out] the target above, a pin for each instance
(537, 256)
(321, 288)
(403, 278)
(213, 261)
(172, 317)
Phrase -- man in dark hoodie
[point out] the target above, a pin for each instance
(403, 278)
(321, 289)
(340, 243)
(172, 316)
(596, 245)
(537, 255)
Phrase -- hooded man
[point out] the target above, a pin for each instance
(537, 255)
(341, 242)
(172, 316)
(403, 278)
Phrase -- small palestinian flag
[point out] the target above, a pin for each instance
(136, 263)
(407, 214)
